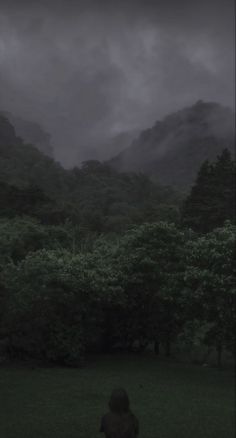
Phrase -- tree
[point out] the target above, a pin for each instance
(212, 198)
(20, 236)
(210, 286)
(55, 304)
(150, 256)
(47, 306)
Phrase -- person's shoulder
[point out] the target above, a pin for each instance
(132, 415)
(105, 418)
(134, 421)
(103, 423)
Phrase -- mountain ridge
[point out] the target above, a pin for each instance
(174, 148)
(31, 132)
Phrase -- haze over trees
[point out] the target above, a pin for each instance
(117, 217)
(31, 132)
(94, 260)
(212, 198)
(172, 150)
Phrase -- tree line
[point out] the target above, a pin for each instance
(156, 285)
(134, 271)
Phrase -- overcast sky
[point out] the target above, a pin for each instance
(89, 69)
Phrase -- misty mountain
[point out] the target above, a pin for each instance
(31, 132)
(94, 196)
(112, 145)
(23, 164)
(174, 148)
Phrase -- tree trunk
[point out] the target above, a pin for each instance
(168, 345)
(142, 345)
(219, 355)
(157, 347)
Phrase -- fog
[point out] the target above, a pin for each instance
(88, 70)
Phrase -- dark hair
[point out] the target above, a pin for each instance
(119, 401)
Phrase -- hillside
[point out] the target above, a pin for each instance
(112, 145)
(23, 164)
(31, 132)
(174, 148)
(95, 195)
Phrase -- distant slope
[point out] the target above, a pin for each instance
(97, 196)
(31, 132)
(112, 145)
(23, 164)
(174, 148)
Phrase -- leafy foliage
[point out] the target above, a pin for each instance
(94, 260)
(212, 198)
(53, 305)
(152, 266)
(210, 285)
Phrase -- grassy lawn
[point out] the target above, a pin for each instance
(171, 400)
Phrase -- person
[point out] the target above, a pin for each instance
(119, 422)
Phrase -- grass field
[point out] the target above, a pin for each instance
(171, 400)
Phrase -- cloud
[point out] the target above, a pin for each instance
(88, 69)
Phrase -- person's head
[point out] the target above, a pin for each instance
(119, 401)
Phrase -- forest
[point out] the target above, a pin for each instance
(117, 219)
(95, 261)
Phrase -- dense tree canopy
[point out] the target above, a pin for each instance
(92, 260)
(210, 285)
(212, 198)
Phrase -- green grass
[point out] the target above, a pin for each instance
(171, 400)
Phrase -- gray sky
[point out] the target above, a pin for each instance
(89, 69)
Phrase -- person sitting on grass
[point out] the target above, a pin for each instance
(120, 422)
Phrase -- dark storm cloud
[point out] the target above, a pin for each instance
(87, 69)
